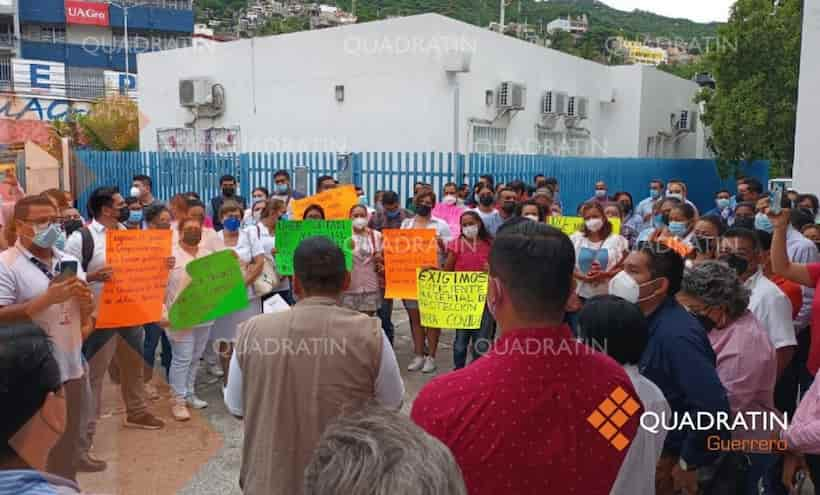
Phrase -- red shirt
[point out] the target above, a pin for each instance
(814, 350)
(792, 291)
(517, 422)
(470, 256)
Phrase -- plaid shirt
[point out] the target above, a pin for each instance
(379, 220)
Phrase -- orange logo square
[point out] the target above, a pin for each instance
(611, 414)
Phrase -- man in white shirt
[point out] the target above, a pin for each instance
(644, 208)
(40, 283)
(109, 210)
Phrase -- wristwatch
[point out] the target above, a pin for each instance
(686, 467)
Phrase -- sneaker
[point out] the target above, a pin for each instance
(416, 364)
(216, 370)
(86, 463)
(143, 421)
(429, 365)
(196, 402)
(180, 410)
(151, 392)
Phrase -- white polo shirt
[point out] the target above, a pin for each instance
(772, 309)
(21, 280)
(74, 247)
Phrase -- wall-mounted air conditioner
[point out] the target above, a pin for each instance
(548, 103)
(577, 107)
(511, 96)
(687, 121)
(196, 92)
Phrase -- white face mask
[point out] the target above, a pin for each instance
(450, 199)
(470, 231)
(135, 192)
(359, 223)
(674, 195)
(594, 224)
(625, 287)
(534, 218)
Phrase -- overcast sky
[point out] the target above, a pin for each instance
(697, 10)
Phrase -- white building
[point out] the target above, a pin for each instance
(807, 146)
(420, 83)
(576, 26)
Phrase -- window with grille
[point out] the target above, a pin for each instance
(488, 139)
(571, 106)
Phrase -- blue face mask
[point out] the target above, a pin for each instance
(135, 216)
(678, 229)
(658, 221)
(281, 188)
(60, 242)
(231, 224)
(723, 203)
(392, 214)
(763, 223)
(47, 237)
(654, 193)
(600, 193)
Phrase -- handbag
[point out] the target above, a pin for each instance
(268, 279)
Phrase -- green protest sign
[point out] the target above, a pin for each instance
(217, 288)
(290, 233)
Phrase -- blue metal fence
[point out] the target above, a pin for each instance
(175, 173)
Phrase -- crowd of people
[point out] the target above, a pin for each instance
(650, 309)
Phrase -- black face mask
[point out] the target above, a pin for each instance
(738, 264)
(744, 223)
(508, 207)
(627, 207)
(228, 191)
(424, 210)
(124, 214)
(704, 244)
(71, 226)
(486, 200)
(707, 323)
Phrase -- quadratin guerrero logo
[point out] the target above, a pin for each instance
(610, 416)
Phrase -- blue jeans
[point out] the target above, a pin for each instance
(154, 334)
(385, 314)
(482, 339)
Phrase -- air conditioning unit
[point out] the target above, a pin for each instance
(511, 96)
(578, 107)
(548, 103)
(196, 92)
(687, 121)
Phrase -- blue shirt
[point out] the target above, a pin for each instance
(644, 208)
(31, 482)
(679, 359)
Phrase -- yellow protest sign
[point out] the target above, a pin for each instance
(571, 225)
(336, 203)
(452, 300)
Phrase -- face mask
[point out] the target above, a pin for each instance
(192, 237)
(134, 216)
(359, 223)
(626, 287)
(470, 231)
(654, 193)
(704, 244)
(600, 193)
(123, 214)
(508, 207)
(594, 224)
(626, 206)
(228, 191)
(678, 229)
(659, 221)
(723, 203)
(257, 199)
(231, 224)
(675, 195)
(281, 188)
(744, 223)
(424, 210)
(60, 242)
(363, 200)
(534, 218)
(46, 237)
(450, 199)
(135, 192)
(70, 226)
(486, 200)
(763, 223)
(738, 264)
(392, 214)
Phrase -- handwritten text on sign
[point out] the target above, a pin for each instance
(404, 252)
(452, 299)
(571, 225)
(335, 202)
(290, 234)
(135, 293)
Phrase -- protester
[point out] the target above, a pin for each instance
(600, 196)
(157, 217)
(451, 195)
(188, 344)
(745, 216)
(812, 233)
(647, 205)
(619, 329)
(682, 222)
(660, 220)
(350, 366)
(677, 189)
(543, 198)
(506, 203)
(259, 196)
(545, 413)
(787, 287)
(409, 203)
(248, 248)
(470, 252)
(463, 195)
(530, 210)
(266, 230)
(552, 184)
(425, 340)
(614, 211)
(36, 283)
(490, 216)
(631, 218)
(679, 359)
(746, 361)
(142, 188)
(227, 184)
(314, 212)
(803, 439)
(705, 237)
(599, 252)
(135, 214)
(808, 202)
(325, 183)
(723, 208)
(366, 289)
(283, 190)
(35, 412)
(750, 190)
(376, 451)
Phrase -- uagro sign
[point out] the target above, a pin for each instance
(89, 13)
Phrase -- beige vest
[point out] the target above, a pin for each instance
(300, 369)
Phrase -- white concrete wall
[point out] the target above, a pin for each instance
(662, 95)
(398, 96)
(807, 144)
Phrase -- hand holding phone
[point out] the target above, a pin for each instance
(776, 198)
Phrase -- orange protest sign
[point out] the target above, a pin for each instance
(136, 291)
(404, 252)
(335, 202)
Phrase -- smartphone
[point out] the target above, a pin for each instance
(776, 196)
(68, 269)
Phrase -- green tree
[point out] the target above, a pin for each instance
(752, 111)
(112, 124)
(562, 41)
(283, 26)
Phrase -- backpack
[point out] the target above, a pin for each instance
(88, 247)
